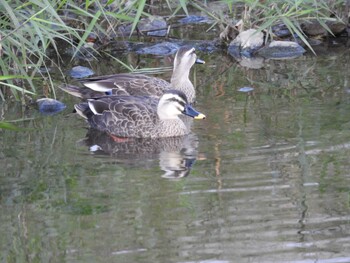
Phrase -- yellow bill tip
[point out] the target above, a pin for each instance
(200, 116)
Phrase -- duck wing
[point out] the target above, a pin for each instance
(83, 92)
(123, 116)
(128, 84)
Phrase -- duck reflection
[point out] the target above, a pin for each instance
(176, 155)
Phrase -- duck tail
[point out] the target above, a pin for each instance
(73, 90)
(83, 110)
(83, 93)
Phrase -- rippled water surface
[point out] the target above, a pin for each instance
(265, 178)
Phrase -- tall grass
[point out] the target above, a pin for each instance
(29, 28)
(263, 15)
(291, 13)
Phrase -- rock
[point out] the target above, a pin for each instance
(162, 49)
(314, 28)
(153, 26)
(45, 70)
(314, 41)
(194, 19)
(204, 45)
(48, 106)
(281, 50)
(234, 51)
(281, 30)
(229, 33)
(248, 41)
(79, 72)
(336, 27)
(87, 52)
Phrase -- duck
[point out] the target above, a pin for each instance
(124, 84)
(139, 116)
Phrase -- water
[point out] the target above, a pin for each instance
(265, 178)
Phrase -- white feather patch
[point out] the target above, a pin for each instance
(95, 148)
(96, 87)
(169, 106)
(92, 108)
(169, 96)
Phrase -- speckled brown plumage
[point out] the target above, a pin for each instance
(141, 85)
(137, 116)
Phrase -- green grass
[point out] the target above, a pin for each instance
(30, 28)
(264, 15)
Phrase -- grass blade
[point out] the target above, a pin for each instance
(12, 86)
(8, 126)
(183, 4)
(141, 6)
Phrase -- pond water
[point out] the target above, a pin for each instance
(265, 178)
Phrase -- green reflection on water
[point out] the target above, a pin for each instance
(272, 168)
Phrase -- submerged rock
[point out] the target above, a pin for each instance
(48, 106)
(153, 26)
(282, 50)
(162, 49)
(45, 70)
(246, 42)
(281, 30)
(79, 72)
(203, 45)
(194, 19)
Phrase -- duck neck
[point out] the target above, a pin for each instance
(180, 81)
(172, 127)
(180, 75)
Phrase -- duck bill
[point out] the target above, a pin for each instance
(190, 111)
(199, 61)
